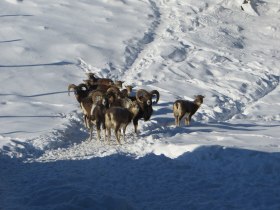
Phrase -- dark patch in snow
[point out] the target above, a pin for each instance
(178, 55)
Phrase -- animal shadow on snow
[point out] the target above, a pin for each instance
(233, 126)
(12, 40)
(162, 125)
(210, 177)
(35, 95)
(1, 16)
(60, 63)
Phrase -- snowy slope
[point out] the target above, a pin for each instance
(227, 159)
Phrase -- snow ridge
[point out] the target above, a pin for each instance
(135, 47)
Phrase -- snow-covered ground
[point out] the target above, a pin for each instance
(228, 158)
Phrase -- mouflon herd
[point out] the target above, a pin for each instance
(109, 105)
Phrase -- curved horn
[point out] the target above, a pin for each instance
(156, 93)
(70, 87)
(95, 95)
(141, 94)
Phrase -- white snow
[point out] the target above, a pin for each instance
(228, 158)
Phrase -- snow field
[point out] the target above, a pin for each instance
(227, 159)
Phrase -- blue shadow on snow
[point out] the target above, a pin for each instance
(208, 178)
